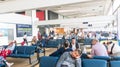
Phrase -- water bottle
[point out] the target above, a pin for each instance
(84, 50)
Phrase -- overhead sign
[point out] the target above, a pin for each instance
(85, 22)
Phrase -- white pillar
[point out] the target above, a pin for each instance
(60, 17)
(46, 14)
(32, 14)
(118, 24)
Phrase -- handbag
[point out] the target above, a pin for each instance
(112, 49)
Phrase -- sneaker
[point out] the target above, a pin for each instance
(10, 64)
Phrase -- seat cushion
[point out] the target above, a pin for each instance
(30, 50)
(114, 63)
(116, 58)
(94, 63)
(19, 55)
(2, 65)
(20, 49)
(102, 57)
(48, 61)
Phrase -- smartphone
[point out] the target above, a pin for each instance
(64, 65)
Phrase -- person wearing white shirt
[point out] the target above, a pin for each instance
(25, 38)
(11, 47)
(113, 49)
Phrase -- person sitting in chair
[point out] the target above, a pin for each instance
(4, 62)
(70, 59)
(61, 50)
(73, 44)
(7, 51)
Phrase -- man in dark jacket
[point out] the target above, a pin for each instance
(61, 50)
(74, 45)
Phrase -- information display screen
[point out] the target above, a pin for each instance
(22, 28)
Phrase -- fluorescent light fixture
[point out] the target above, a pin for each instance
(69, 10)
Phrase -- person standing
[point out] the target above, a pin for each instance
(39, 36)
(25, 38)
(81, 36)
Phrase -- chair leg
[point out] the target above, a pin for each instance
(30, 60)
(37, 55)
(44, 51)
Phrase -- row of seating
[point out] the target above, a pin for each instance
(46, 61)
(55, 43)
(23, 52)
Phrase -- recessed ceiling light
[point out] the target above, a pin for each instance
(93, 9)
(2, 0)
(100, 6)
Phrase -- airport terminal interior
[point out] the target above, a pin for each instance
(59, 33)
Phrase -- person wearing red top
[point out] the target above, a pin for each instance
(7, 51)
(39, 35)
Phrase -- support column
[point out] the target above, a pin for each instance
(118, 25)
(32, 14)
(46, 14)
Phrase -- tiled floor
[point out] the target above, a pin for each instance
(22, 62)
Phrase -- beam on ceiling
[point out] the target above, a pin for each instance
(77, 20)
(22, 5)
(107, 7)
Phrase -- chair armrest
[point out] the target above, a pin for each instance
(32, 52)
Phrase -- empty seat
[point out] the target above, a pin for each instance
(114, 63)
(115, 58)
(102, 57)
(94, 63)
(87, 41)
(47, 61)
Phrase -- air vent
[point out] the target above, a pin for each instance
(2, 0)
(85, 22)
(5, 0)
(89, 25)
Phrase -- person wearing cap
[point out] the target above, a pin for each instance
(70, 59)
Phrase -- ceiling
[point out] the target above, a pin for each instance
(1, 1)
(68, 8)
(83, 9)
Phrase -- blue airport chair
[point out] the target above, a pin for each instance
(94, 63)
(47, 61)
(114, 63)
(115, 58)
(87, 41)
(107, 58)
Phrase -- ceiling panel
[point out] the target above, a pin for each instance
(1, 1)
(83, 9)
